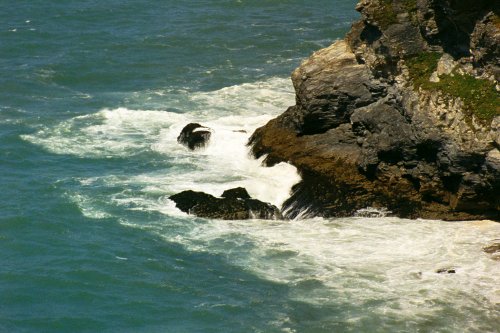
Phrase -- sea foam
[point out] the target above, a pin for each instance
(233, 113)
(384, 264)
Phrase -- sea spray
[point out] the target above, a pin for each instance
(387, 266)
(232, 113)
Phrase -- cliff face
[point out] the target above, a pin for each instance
(404, 114)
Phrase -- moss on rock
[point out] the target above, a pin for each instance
(479, 96)
(387, 13)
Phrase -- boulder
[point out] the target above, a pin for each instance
(194, 136)
(235, 204)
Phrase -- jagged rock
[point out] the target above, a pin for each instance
(235, 204)
(236, 193)
(390, 30)
(448, 24)
(485, 44)
(194, 136)
(364, 134)
(330, 86)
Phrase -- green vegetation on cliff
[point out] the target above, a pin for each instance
(421, 68)
(479, 96)
(386, 14)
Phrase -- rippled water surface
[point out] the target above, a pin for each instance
(93, 95)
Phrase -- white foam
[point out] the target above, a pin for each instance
(372, 212)
(108, 133)
(88, 206)
(232, 113)
(123, 132)
(386, 260)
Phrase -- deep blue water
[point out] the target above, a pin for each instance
(92, 96)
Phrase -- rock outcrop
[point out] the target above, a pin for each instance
(234, 204)
(194, 136)
(403, 114)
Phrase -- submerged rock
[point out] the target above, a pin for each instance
(492, 249)
(446, 271)
(194, 136)
(235, 204)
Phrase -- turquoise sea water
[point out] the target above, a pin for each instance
(92, 97)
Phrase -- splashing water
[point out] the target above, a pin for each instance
(371, 263)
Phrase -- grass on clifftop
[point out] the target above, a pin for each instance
(479, 96)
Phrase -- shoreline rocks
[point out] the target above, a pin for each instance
(194, 136)
(376, 123)
(234, 204)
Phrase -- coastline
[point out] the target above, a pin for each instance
(369, 130)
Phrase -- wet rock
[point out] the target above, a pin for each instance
(446, 271)
(236, 193)
(362, 134)
(235, 204)
(194, 136)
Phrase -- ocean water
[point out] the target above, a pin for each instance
(92, 97)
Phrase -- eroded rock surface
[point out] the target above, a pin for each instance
(235, 204)
(374, 125)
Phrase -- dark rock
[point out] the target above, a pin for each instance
(330, 86)
(194, 136)
(236, 193)
(237, 205)
(391, 30)
(446, 271)
(449, 24)
(363, 135)
(485, 44)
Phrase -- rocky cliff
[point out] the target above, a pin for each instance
(404, 113)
